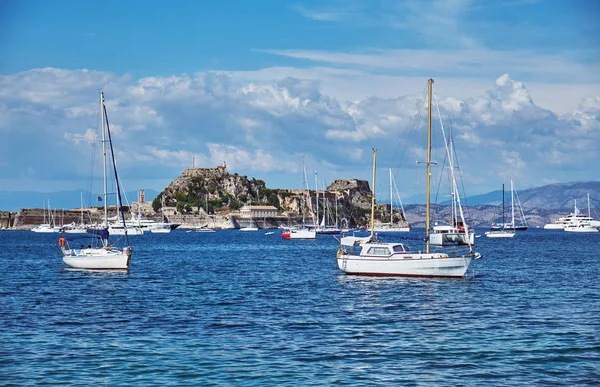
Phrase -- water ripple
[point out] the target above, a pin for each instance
(235, 308)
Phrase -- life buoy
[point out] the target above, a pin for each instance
(61, 242)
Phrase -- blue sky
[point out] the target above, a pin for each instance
(260, 83)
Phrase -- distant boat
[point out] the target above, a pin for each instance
(300, 232)
(161, 229)
(574, 219)
(502, 233)
(249, 229)
(371, 257)
(269, 232)
(515, 203)
(48, 226)
(390, 227)
(76, 228)
(587, 224)
(102, 255)
(457, 232)
(204, 229)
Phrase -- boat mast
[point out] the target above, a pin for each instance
(317, 196)
(104, 158)
(503, 207)
(589, 212)
(373, 194)
(512, 204)
(454, 188)
(391, 201)
(336, 209)
(428, 185)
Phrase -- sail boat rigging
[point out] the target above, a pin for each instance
(403, 225)
(301, 232)
(514, 203)
(102, 255)
(371, 257)
(502, 233)
(457, 232)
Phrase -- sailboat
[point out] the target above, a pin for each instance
(205, 228)
(162, 227)
(102, 254)
(77, 228)
(300, 232)
(48, 225)
(324, 227)
(390, 227)
(514, 203)
(457, 232)
(502, 233)
(371, 257)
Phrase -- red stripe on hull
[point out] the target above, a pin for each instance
(285, 235)
(404, 275)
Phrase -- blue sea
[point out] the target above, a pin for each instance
(249, 309)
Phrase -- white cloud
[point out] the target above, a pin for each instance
(88, 137)
(261, 128)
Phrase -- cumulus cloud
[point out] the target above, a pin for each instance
(160, 124)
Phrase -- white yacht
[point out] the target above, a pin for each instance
(572, 220)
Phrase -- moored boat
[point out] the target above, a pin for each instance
(100, 254)
(370, 257)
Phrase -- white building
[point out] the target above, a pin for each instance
(258, 211)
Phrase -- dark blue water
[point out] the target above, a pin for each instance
(244, 308)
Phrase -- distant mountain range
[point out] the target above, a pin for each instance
(14, 201)
(553, 196)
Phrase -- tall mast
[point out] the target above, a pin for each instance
(373, 193)
(502, 206)
(512, 204)
(391, 201)
(317, 196)
(336, 209)
(589, 212)
(428, 186)
(454, 189)
(104, 158)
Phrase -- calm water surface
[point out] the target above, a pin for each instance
(244, 308)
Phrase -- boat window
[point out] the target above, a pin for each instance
(400, 249)
(378, 251)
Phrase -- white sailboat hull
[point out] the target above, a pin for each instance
(44, 228)
(299, 234)
(97, 259)
(425, 265)
(380, 230)
(130, 231)
(160, 230)
(500, 234)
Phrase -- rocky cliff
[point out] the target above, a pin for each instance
(214, 190)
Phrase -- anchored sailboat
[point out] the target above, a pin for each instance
(501, 233)
(301, 232)
(371, 257)
(101, 254)
(515, 203)
(457, 232)
(403, 225)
